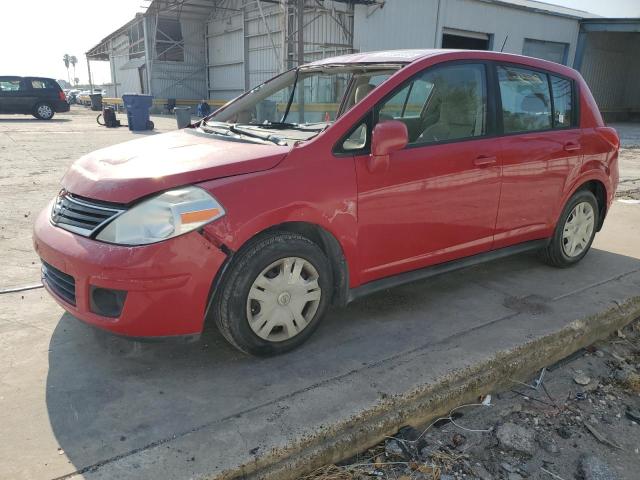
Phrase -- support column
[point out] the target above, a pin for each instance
(580, 47)
(89, 71)
(300, 87)
(147, 53)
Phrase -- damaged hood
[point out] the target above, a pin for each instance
(131, 170)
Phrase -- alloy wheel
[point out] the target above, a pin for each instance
(283, 299)
(45, 111)
(578, 229)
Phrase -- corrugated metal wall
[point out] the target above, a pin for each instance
(247, 48)
(419, 24)
(182, 79)
(611, 69)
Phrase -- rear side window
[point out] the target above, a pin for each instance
(43, 83)
(562, 90)
(526, 101)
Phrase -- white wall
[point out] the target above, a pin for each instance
(125, 70)
(412, 24)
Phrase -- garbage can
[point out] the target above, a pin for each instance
(137, 106)
(96, 102)
(183, 116)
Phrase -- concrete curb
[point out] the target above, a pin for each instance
(422, 405)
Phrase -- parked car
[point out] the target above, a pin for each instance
(83, 98)
(37, 96)
(327, 183)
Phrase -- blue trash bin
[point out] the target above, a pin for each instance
(137, 106)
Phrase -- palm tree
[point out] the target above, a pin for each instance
(73, 60)
(67, 59)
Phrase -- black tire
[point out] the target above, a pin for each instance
(554, 254)
(43, 111)
(229, 308)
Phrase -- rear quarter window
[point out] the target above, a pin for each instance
(562, 90)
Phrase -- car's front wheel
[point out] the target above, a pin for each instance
(274, 295)
(43, 111)
(574, 232)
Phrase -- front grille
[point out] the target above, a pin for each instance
(62, 284)
(81, 216)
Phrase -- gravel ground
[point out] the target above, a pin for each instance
(577, 419)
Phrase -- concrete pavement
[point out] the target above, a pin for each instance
(78, 403)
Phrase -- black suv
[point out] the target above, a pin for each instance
(37, 96)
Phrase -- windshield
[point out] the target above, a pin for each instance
(298, 104)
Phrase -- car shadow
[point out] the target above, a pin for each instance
(107, 396)
(34, 120)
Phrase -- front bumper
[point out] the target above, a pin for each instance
(167, 284)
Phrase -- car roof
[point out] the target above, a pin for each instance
(404, 57)
(383, 56)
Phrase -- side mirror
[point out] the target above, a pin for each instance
(388, 137)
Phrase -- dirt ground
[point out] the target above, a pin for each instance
(577, 419)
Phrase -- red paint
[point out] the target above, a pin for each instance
(400, 209)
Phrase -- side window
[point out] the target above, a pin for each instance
(357, 140)
(38, 84)
(526, 103)
(441, 104)
(562, 90)
(9, 84)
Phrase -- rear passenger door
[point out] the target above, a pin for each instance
(10, 94)
(540, 150)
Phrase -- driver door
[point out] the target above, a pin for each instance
(438, 200)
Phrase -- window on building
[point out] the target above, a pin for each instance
(526, 102)
(562, 101)
(552, 51)
(136, 40)
(169, 41)
(462, 39)
(445, 103)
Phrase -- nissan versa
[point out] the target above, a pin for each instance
(326, 183)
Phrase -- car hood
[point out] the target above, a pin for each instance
(131, 170)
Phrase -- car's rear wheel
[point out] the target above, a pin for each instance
(574, 232)
(274, 295)
(43, 111)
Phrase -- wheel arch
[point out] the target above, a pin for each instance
(595, 185)
(327, 242)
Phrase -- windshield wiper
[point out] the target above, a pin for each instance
(285, 126)
(249, 133)
(226, 129)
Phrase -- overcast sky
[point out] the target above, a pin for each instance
(35, 34)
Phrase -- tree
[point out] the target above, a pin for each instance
(73, 60)
(76, 80)
(67, 59)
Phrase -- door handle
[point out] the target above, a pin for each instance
(571, 146)
(485, 160)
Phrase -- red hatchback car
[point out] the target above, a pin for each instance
(326, 183)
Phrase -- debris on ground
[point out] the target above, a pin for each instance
(576, 420)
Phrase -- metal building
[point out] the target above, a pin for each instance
(216, 49)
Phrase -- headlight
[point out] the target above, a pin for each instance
(167, 215)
